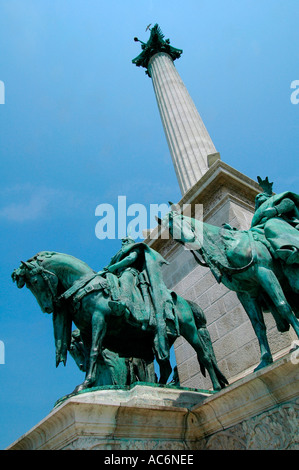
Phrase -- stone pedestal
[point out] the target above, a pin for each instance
(139, 418)
(260, 411)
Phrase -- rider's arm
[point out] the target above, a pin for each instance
(286, 205)
(127, 261)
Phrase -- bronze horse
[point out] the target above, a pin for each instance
(49, 274)
(241, 261)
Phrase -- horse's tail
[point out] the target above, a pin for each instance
(201, 325)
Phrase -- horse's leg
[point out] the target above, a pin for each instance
(189, 332)
(255, 315)
(99, 327)
(164, 364)
(273, 288)
(165, 370)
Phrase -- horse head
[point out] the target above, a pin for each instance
(41, 282)
(181, 229)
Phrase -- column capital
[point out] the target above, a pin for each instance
(154, 45)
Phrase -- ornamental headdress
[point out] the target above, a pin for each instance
(265, 185)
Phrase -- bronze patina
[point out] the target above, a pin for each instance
(124, 311)
(260, 264)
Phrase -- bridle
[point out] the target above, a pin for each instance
(77, 286)
(34, 268)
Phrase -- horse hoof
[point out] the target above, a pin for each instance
(77, 389)
(295, 346)
(263, 363)
(81, 387)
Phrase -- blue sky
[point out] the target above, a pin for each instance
(80, 127)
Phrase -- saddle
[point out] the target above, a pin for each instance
(85, 285)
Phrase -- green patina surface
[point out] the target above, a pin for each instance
(154, 45)
(125, 316)
(260, 264)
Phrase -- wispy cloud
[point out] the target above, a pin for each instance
(22, 203)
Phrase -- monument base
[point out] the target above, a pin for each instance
(260, 411)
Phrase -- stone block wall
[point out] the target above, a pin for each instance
(234, 341)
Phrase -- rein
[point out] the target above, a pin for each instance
(79, 284)
(43, 272)
(79, 289)
(198, 260)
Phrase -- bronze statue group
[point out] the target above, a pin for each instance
(126, 317)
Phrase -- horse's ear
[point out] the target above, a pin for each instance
(174, 207)
(158, 220)
(26, 264)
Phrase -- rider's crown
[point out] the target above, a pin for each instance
(265, 185)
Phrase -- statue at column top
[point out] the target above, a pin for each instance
(155, 44)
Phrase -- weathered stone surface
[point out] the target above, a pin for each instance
(262, 414)
(260, 411)
(143, 417)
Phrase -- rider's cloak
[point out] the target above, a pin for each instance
(163, 320)
(281, 231)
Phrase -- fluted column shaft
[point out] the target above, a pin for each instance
(188, 139)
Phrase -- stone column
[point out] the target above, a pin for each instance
(188, 139)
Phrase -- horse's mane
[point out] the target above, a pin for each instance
(42, 255)
(47, 255)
